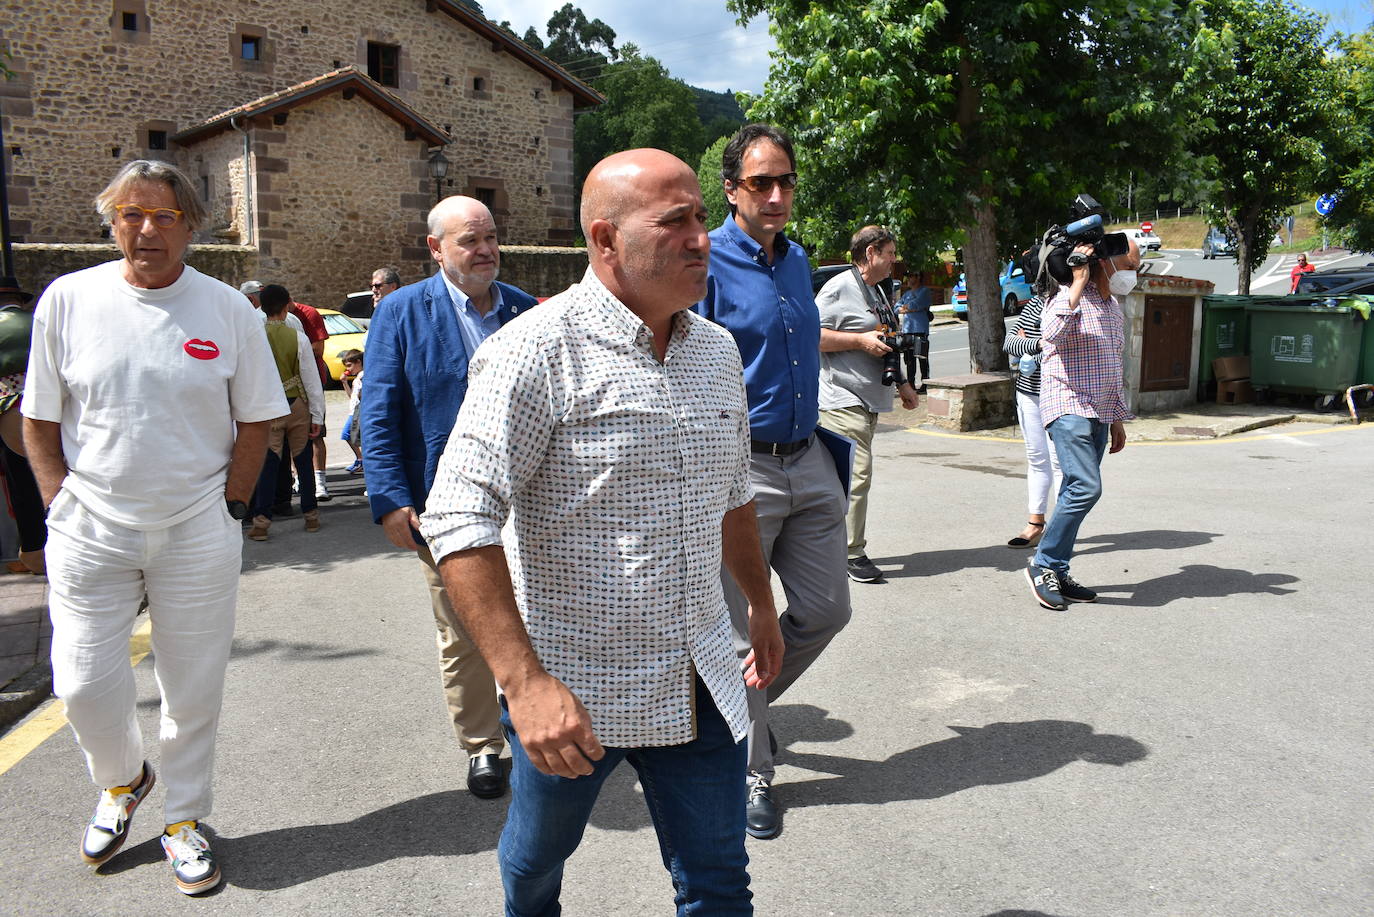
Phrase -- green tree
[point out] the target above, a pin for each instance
(1351, 166)
(712, 191)
(1268, 113)
(645, 107)
(965, 122)
(584, 47)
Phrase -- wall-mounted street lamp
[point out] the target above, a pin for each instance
(438, 167)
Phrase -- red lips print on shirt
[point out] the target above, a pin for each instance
(201, 350)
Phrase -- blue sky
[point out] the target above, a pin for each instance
(698, 40)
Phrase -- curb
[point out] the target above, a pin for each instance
(24, 694)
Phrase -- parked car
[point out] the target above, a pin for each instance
(1145, 241)
(826, 272)
(1016, 290)
(1218, 242)
(358, 306)
(344, 334)
(1341, 280)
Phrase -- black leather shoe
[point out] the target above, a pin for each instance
(486, 779)
(761, 816)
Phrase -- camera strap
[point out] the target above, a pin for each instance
(877, 303)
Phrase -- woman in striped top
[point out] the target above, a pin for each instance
(1042, 466)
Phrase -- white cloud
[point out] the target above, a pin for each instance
(697, 40)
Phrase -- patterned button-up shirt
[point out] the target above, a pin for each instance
(1080, 365)
(616, 470)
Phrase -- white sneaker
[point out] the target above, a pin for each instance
(109, 826)
(193, 863)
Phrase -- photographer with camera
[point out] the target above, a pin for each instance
(1081, 398)
(861, 363)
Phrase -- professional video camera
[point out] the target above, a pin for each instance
(1057, 253)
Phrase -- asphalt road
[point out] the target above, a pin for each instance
(1197, 743)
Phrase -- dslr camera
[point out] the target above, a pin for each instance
(1057, 253)
(892, 360)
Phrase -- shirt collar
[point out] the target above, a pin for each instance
(463, 303)
(747, 243)
(623, 324)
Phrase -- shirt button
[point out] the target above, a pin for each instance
(794, 362)
(798, 394)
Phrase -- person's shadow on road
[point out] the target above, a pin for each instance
(993, 754)
(1007, 560)
(1196, 581)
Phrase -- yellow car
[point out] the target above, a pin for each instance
(344, 334)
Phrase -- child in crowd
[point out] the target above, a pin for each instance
(352, 380)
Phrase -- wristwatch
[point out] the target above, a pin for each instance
(237, 509)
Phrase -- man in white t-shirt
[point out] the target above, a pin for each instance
(149, 397)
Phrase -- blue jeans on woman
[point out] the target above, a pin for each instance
(695, 794)
(1080, 443)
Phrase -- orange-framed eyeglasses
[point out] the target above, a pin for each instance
(134, 215)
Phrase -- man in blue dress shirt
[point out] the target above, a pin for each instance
(419, 344)
(760, 290)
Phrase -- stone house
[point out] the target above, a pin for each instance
(309, 125)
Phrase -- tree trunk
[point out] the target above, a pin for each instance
(1244, 241)
(985, 327)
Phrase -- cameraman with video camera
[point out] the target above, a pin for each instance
(1081, 398)
(861, 363)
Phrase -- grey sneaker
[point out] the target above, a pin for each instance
(193, 863)
(863, 570)
(1074, 591)
(1044, 584)
(109, 826)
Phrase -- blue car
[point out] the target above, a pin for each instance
(1016, 290)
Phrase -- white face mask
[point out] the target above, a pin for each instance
(1121, 283)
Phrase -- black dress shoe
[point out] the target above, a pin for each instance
(486, 779)
(761, 816)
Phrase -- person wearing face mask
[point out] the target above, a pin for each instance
(1082, 406)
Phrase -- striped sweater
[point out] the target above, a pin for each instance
(1018, 345)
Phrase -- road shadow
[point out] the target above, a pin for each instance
(347, 533)
(1193, 582)
(1020, 913)
(977, 756)
(805, 723)
(1008, 560)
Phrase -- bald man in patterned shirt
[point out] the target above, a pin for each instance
(611, 424)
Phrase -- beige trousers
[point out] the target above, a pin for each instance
(469, 687)
(859, 424)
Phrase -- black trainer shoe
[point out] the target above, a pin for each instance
(1074, 591)
(109, 826)
(862, 570)
(1044, 584)
(761, 816)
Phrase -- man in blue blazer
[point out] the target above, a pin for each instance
(418, 347)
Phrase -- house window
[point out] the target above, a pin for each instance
(384, 63)
(487, 196)
(130, 21)
(478, 84)
(157, 140)
(205, 188)
(250, 47)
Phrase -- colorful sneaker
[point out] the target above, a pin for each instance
(109, 825)
(193, 863)
(1044, 583)
(1074, 591)
(355, 467)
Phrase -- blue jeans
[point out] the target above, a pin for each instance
(695, 794)
(1080, 443)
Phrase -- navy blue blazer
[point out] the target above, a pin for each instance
(415, 375)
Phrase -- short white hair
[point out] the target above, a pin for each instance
(152, 170)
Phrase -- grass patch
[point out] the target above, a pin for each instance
(1189, 231)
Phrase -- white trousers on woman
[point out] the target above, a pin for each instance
(1042, 465)
(98, 572)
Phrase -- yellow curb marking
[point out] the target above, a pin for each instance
(1335, 428)
(52, 716)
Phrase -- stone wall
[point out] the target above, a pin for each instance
(87, 93)
(542, 271)
(37, 265)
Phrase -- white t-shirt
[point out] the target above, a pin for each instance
(147, 385)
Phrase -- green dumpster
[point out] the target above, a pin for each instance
(1311, 349)
(1225, 333)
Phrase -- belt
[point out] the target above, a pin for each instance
(778, 448)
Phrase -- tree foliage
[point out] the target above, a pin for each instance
(583, 46)
(645, 107)
(967, 122)
(1269, 109)
(1351, 165)
(712, 191)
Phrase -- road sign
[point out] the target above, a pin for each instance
(1147, 226)
(1325, 204)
